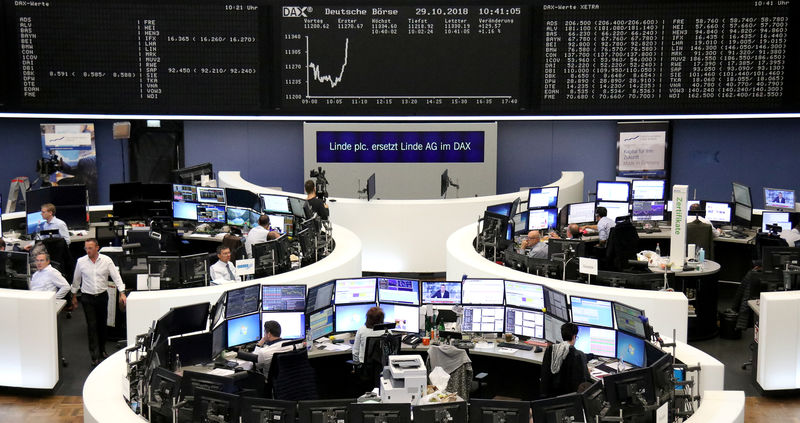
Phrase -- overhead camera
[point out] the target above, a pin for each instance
(321, 181)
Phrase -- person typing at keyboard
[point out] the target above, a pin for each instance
(563, 366)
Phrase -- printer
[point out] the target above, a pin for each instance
(404, 380)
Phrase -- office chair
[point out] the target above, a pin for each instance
(376, 356)
(60, 257)
(461, 378)
(291, 376)
(621, 246)
(702, 235)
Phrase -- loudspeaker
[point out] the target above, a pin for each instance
(122, 130)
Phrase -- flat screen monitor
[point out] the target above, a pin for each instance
(167, 269)
(379, 413)
(323, 411)
(482, 291)
(14, 270)
(219, 340)
(261, 410)
(275, 204)
(598, 341)
(523, 294)
(779, 199)
(560, 245)
(434, 292)
(775, 218)
(742, 214)
(563, 408)
(359, 290)
(398, 291)
(126, 191)
(33, 222)
(556, 304)
(67, 195)
(592, 312)
(539, 219)
(371, 187)
(277, 223)
(242, 301)
(614, 209)
(630, 349)
(690, 203)
(442, 412)
(741, 194)
(552, 328)
(502, 209)
(242, 198)
(350, 317)
(405, 316)
(283, 298)
(520, 221)
(244, 330)
(629, 319)
(524, 322)
(485, 410)
(718, 213)
(580, 213)
(320, 323)
(319, 297)
(487, 319)
(211, 195)
(300, 207)
(192, 349)
(237, 216)
(623, 388)
(613, 191)
(208, 213)
(648, 189)
(184, 211)
(190, 318)
(185, 193)
(544, 197)
(647, 210)
(293, 323)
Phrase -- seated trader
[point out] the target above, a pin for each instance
(564, 366)
(603, 226)
(259, 234)
(269, 344)
(317, 205)
(573, 232)
(694, 216)
(50, 222)
(538, 249)
(374, 317)
(223, 271)
(791, 236)
(47, 278)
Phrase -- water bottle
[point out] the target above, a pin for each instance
(702, 256)
(309, 340)
(658, 249)
(177, 362)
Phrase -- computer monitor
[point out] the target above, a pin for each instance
(540, 219)
(208, 213)
(378, 413)
(555, 303)
(774, 259)
(485, 410)
(561, 245)
(320, 296)
(524, 322)
(775, 218)
(359, 290)
(184, 211)
(242, 301)
(275, 204)
(647, 210)
(14, 270)
(593, 401)
(192, 349)
(190, 318)
(502, 209)
(398, 291)
(435, 292)
(544, 197)
(33, 222)
(184, 193)
(591, 311)
(164, 388)
(244, 330)
(552, 328)
(323, 411)
(405, 316)
(350, 317)
(629, 319)
(219, 340)
(741, 194)
(778, 199)
(523, 294)
(597, 341)
(648, 189)
(210, 405)
(663, 374)
(211, 195)
(300, 207)
(613, 191)
(242, 198)
(718, 213)
(482, 291)
(614, 209)
(293, 323)
(371, 187)
(487, 319)
(272, 257)
(624, 389)
(742, 214)
(320, 323)
(630, 349)
(277, 223)
(167, 269)
(441, 413)
(564, 408)
(262, 410)
(689, 204)
(580, 213)
(218, 310)
(237, 216)
(520, 221)
(283, 298)
(126, 191)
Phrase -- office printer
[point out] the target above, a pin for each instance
(404, 380)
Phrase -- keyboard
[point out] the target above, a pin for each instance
(523, 347)
(606, 368)
(736, 234)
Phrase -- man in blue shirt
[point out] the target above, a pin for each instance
(50, 222)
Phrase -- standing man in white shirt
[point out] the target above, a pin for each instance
(259, 234)
(47, 278)
(223, 271)
(91, 276)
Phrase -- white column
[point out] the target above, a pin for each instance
(680, 207)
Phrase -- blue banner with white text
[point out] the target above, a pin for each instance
(400, 147)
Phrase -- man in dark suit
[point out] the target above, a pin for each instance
(441, 293)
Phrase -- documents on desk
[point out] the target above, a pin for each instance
(599, 369)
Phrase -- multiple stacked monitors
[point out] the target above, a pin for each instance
(441, 292)
(539, 219)
(718, 213)
(580, 213)
(398, 291)
(779, 199)
(613, 191)
(743, 207)
(283, 298)
(648, 189)
(545, 197)
(349, 291)
(482, 291)
(592, 312)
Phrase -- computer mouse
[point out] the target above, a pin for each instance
(538, 349)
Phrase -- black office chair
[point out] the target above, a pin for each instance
(376, 356)
(621, 246)
(60, 257)
(702, 235)
(291, 376)
(571, 374)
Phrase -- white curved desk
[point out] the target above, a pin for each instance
(144, 307)
(410, 235)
